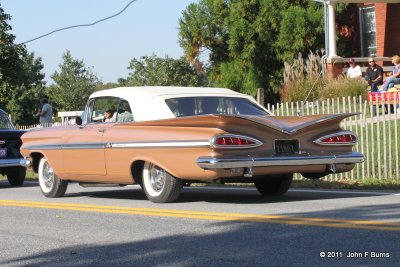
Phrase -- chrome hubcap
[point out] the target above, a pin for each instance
(157, 178)
(48, 175)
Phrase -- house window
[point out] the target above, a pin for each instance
(368, 31)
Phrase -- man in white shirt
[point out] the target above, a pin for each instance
(354, 71)
(45, 113)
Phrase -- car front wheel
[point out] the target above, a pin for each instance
(273, 185)
(50, 184)
(16, 175)
(160, 186)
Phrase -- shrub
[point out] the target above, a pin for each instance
(302, 68)
(298, 90)
(343, 87)
(300, 76)
(303, 79)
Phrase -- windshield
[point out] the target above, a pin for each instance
(5, 122)
(191, 106)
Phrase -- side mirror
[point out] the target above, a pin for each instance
(78, 121)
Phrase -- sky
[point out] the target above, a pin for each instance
(146, 27)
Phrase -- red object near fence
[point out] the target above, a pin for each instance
(375, 98)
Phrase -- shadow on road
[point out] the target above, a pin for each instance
(4, 184)
(236, 195)
(227, 243)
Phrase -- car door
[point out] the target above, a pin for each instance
(83, 148)
(118, 157)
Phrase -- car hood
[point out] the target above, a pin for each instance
(11, 133)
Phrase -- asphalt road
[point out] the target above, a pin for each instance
(209, 226)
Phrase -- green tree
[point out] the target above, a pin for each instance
(21, 79)
(202, 30)
(26, 96)
(153, 70)
(104, 86)
(248, 40)
(9, 57)
(72, 84)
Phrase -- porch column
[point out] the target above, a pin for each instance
(331, 29)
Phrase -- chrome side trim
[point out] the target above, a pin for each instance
(319, 142)
(109, 145)
(15, 162)
(67, 146)
(191, 143)
(83, 146)
(300, 160)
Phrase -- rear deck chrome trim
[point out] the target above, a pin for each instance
(300, 160)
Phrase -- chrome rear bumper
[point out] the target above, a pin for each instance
(15, 162)
(297, 160)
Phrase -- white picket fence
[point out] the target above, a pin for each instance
(376, 130)
(377, 133)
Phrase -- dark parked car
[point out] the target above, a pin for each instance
(12, 163)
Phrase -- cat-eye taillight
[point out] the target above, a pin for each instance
(335, 139)
(234, 141)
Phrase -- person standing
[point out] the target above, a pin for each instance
(45, 113)
(354, 71)
(374, 75)
(395, 77)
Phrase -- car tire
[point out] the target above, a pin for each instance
(273, 185)
(160, 186)
(50, 185)
(16, 175)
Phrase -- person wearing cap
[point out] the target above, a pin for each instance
(354, 71)
(395, 77)
(374, 75)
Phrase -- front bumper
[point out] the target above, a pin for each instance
(15, 162)
(293, 160)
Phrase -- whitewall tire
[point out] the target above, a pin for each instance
(50, 185)
(158, 185)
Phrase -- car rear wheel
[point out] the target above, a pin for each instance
(16, 175)
(50, 184)
(160, 186)
(273, 185)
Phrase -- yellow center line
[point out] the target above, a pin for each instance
(218, 216)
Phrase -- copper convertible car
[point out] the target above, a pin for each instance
(166, 137)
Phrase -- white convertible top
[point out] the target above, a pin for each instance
(168, 91)
(148, 102)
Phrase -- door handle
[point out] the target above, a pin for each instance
(101, 130)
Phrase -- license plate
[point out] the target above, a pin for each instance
(286, 147)
(3, 152)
